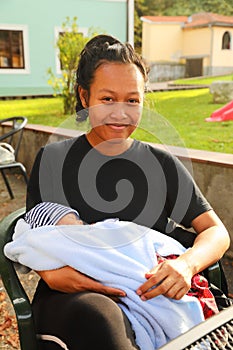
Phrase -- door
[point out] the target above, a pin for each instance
(194, 67)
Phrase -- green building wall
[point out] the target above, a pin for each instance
(40, 18)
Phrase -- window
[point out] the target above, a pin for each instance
(11, 49)
(226, 41)
(14, 52)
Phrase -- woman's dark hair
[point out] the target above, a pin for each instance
(99, 49)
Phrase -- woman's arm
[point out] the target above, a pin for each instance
(211, 243)
(172, 278)
(69, 280)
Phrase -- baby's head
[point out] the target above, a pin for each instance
(47, 214)
(70, 219)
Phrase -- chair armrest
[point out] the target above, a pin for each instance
(13, 286)
(214, 333)
(214, 275)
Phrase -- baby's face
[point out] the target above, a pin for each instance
(69, 219)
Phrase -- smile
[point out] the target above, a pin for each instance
(117, 126)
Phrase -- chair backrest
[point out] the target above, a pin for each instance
(16, 125)
(15, 290)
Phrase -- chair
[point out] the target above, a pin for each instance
(20, 301)
(215, 333)
(15, 291)
(17, 126)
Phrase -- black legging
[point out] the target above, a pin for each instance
(83, 321)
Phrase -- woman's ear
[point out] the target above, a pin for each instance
(83, 94)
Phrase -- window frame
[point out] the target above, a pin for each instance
(57, 31)
(24, 30)
(227, 33)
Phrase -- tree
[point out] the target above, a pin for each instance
(183, 7)
(70, 44)
(186, 8)
(139, 10)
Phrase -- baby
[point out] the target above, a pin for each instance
(51, 214)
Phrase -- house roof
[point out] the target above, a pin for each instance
(202, 19)
(162, 19)
(206, 18)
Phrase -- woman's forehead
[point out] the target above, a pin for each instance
(113, 73)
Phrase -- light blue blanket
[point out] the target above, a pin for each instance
(118, 254)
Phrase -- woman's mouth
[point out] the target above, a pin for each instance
(117, 126)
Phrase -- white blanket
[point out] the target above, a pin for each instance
(118, 254)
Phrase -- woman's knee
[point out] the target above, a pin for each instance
(86, 319)
(101, 317)
(95, 306)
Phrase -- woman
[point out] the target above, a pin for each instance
(103, 174)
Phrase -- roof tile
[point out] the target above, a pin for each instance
(195, 20)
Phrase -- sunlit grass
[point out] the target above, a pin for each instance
(45, 111)
(186, 111)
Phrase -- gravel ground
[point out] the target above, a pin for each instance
(8, 327)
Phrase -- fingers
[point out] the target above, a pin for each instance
(168, 288)
(100, 288)
(87, 283)
(165, 279)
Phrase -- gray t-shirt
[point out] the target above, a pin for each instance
(145, 185)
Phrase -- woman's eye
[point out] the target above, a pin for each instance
(133, 101)
(107, 99)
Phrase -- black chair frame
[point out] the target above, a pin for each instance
(17, 125)
(14, 288)
(214, 333)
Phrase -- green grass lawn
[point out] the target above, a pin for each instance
(174, 118)
(45, 111)
(180, 120)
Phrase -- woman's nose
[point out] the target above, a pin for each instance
(119, 111)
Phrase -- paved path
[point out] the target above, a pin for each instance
(8, 205)
(170, 86)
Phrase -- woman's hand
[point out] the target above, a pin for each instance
(171, 278)
(69, 280)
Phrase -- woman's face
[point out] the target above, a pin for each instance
(115, 102)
